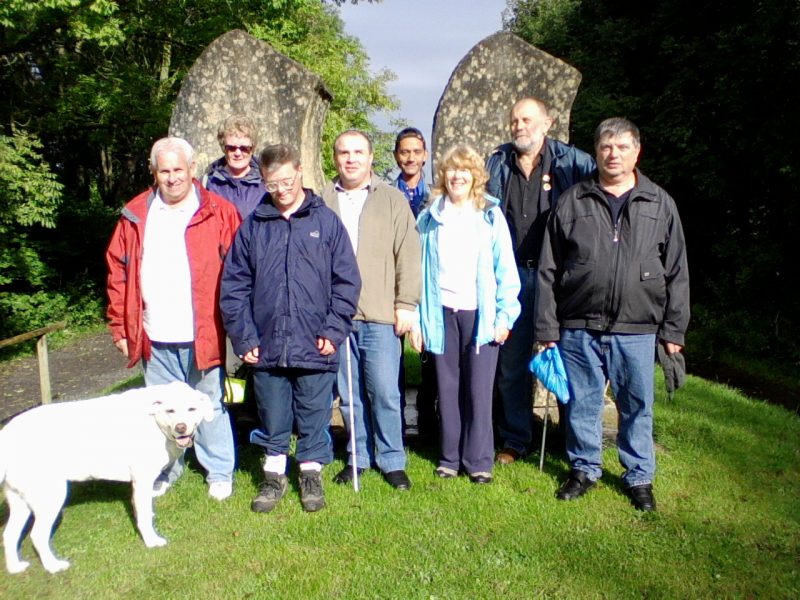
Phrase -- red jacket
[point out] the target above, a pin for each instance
(208, 237)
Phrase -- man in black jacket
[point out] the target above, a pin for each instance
(613, 281)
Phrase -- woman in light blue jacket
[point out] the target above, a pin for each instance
(469, 303)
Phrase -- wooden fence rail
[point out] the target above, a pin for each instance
(41, 353)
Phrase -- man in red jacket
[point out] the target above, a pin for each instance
(164, 266)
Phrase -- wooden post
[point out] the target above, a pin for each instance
(44, 369)
(41, 352)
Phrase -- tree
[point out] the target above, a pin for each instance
(711, 85)
(95, 82)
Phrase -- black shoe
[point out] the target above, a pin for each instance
(576, 485)
(270, 492)
(480, 477)
(311, 495)
(398, 479)
(642, 497)
(346, 475)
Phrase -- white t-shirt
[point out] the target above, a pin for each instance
(458, 255)
(351, 203)
(166, 280)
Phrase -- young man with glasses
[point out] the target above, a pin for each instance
(289, 291)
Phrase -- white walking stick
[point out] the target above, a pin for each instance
(352, 419)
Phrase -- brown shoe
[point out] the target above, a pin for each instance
(506, 456)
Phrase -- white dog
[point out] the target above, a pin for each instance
(125, 437)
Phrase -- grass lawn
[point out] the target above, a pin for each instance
(728, 526)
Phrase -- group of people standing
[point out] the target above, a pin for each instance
(317, 292)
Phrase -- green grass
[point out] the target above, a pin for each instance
(728, 526)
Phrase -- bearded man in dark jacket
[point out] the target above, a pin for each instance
(527, 176)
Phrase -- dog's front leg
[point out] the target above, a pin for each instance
(143, 506)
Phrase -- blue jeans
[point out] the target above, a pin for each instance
(301, 396)
(374, 363)
(628, 362)
(514, 380)
(213, 442)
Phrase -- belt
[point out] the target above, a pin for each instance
(527, 264)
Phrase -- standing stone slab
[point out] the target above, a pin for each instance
(237, 73)
(493, 75)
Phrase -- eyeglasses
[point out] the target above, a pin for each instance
(242, 149)
(283, 184)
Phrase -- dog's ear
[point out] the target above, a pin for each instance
(155, 407)
(207, 407)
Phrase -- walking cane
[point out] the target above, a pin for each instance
(544, 429)
(350, 405)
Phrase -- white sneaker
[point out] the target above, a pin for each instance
(160, 487)
(220, 489)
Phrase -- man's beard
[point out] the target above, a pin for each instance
(523, 147)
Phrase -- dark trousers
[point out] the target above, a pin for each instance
(465, 375)
(427, 419)
(300, 396)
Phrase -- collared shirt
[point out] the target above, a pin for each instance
(415, 196)
(166, 281)
(351, 203)
(528, 205)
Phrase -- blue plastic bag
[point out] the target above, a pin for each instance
(548, 368)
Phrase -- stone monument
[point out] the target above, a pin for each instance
(237, 73)
(493, 75)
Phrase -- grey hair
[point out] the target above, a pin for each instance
(616, 126)
(174, 144)
(241, 124)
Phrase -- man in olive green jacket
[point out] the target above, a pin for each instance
(383, 233)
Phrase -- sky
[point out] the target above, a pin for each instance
(422, 42)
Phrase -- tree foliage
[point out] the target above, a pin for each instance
(94, 81)
(712, 85)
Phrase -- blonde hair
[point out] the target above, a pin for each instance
(463, 157)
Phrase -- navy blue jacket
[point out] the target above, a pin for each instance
(287, 282)
(244, 193)
(568, 166)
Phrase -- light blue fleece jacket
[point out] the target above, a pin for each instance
(497, 279)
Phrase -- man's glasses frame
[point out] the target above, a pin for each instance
(283, 184)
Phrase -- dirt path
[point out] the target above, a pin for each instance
(81, 369)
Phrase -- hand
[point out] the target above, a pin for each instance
(325, 346)
(251, 357)
(549, 344)
(122, 346)
(404, 320)
(500, 335)
(672, 348)
(415, 339)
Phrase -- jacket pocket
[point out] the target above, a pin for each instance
(646, 303)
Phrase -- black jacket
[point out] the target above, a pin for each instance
(628, 278)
